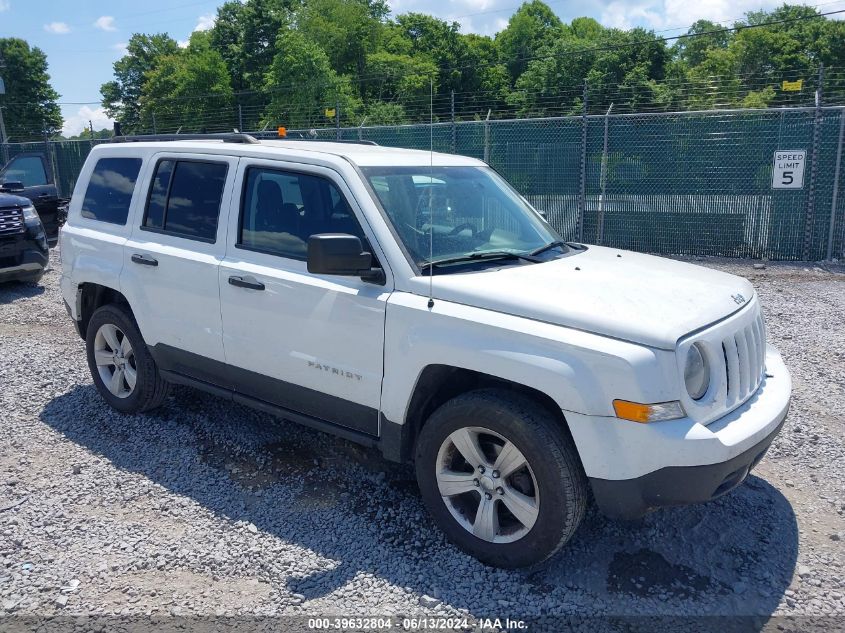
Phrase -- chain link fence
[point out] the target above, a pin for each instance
(703, 183)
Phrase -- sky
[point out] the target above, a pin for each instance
(83, 38)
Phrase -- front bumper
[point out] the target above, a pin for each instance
(634, 468)
(677, 485)
(22, 259)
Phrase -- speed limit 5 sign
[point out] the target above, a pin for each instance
(788, 169)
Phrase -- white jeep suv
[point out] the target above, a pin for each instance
(416, 303)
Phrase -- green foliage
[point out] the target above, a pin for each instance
(246, 35)
(347, 30)
(286, 61)
(122, 96)
(170, 89)
(533, 29)
(303, 84)
(29, 105)
(85, 135)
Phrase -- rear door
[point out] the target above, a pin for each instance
(171, 260)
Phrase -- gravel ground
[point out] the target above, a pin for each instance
(206, 507)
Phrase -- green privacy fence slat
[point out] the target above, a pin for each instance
(671, 183)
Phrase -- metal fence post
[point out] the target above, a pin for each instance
(814, 159)
(155, 131)
(4, 140)
(240, 118)
(454, 132)
(603, 179)
(582, 197)
(835, 197)
(487, 137)
(337, 120)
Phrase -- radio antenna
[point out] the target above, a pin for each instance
(431, 194)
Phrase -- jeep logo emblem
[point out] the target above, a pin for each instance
(738, 299)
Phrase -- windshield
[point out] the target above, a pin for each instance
(464, 211)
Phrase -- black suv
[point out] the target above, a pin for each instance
(23, 242)
(31, 175)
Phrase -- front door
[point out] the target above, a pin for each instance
(33, 171)
(311, 344)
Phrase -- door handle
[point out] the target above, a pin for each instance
(246, 282)
(145, 260)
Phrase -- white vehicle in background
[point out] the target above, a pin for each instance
(414, 302)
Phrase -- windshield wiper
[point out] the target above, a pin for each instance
(480, 256)
(548, 247)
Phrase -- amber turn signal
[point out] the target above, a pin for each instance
(637, 412)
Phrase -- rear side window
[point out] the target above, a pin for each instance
(110, 189)
(185, 199)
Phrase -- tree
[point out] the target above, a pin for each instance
(439, 41)
(29, 105)
(392, 77)
(122, 96)
(85, 135)
(188, 89)
(347, 30)
(703, 36)
(302, 84)
(245, 34)
(533, 28)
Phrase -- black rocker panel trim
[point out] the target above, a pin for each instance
(310, 407)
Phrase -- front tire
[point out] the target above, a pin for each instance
(123, 370)
(501, 477)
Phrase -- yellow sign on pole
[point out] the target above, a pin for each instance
(330, 112)
(793, 86)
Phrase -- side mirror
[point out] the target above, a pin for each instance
(11, 185)
(341, 254)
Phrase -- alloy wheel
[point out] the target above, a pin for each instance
(488, 485)
(115, 360)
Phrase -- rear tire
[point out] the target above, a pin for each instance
(501, 477)
(123, 370)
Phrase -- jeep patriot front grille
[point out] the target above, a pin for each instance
(745, 355)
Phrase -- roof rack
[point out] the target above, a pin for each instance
(229, 137)
(328, 140)
(274, 137)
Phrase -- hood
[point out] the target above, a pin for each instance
(630, 296)
(9, 200)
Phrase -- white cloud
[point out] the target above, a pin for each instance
(59, 28)
(5, 5)
(205, 22)
(678, 14)
(183, 43)
(105, 23)
(75, 123)
(120, 47)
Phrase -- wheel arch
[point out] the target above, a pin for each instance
(90, 297)
(437, 384)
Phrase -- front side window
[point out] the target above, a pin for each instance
(28, 170)
(281, 210)
(458, 213)
(185, 198)
(110, 189)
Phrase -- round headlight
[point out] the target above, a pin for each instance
(696, 373)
